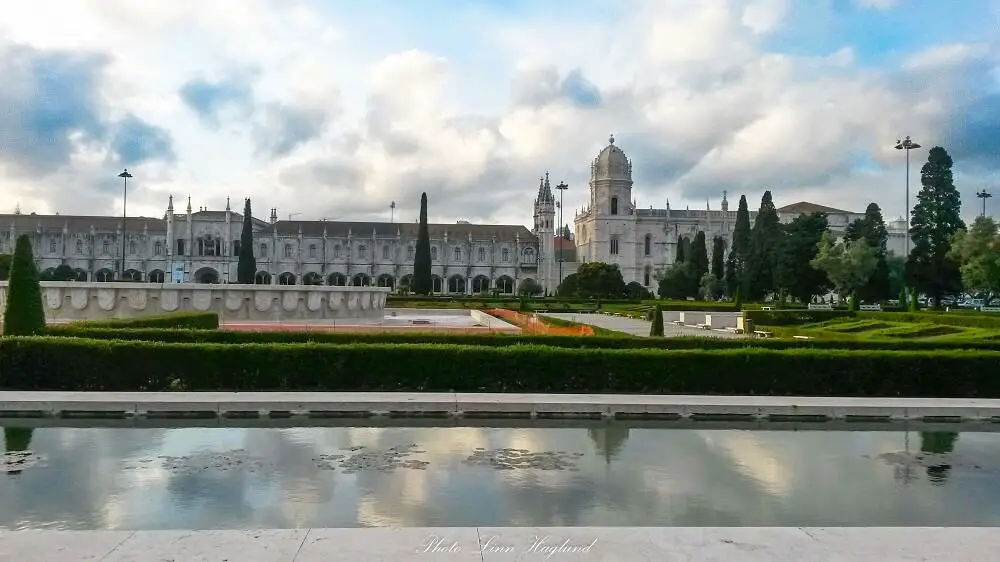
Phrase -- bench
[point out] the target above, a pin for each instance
(678, 322)
(734, 330)
(820, 307)
(870, 308)
(989, 309)
(705, 326)
(765, 308)
(802, 337)
(762, 334)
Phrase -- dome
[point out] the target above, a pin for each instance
(611, 163)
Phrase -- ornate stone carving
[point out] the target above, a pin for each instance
(314, 301)
(137, 299)
(169, 301)
(106, 299)
(79, 298)
(262, 300)
(290, 300)
(201, 300)
(53, 298)
(234, 300)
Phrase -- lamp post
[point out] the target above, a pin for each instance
(562, 187)
(984, 195)
(907, 145)
(124, 176)
(392, 212)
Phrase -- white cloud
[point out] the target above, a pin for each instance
(473, 106)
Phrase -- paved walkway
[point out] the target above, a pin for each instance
(472, 544)
(485, 404)
(637, 327)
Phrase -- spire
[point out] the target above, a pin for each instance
(725, 202)
(189, 205)
(611, 138)
(227, 204)
(170, 204)
(545, 190)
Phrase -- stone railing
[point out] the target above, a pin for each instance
(93, 301)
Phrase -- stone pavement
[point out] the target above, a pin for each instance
(637, 327)
(469, 544)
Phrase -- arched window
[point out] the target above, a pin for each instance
(362, 252)
(505, 255)
(647, 246)
(131, 247)
(434, 253)
(52, 245)
(385, 253)
(288, 250)
(409, 252)
(458, 254)
(614, 205)
(313, 250)
(645, 276)
(614, 245)
(106, 247)
(79, 246)
(336, 252)
(528, 254)
(482, 254)
(263, 250)
(158, 249)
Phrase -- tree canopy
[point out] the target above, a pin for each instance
(978, 253)
(848, 265)
(736, 262)
(421, 282)
(761, 261)
(246, 268)
(795, 273)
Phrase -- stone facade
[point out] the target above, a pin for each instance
(66, 301)
(203, 247)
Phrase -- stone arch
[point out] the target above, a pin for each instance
(286, 278)
(336, 280)
(132, 275)
(156, 276)
(385, 280)
(505, 285)
(262, 278)
(361, 280)
(528, 254)
(207, 275)
(312, 278)
(437, 284)
(405, 281)
(104, 275)
(480, 284)
(456, 284)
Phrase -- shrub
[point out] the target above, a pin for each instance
(656, 328)
(48, 363)
(24, 314)
(179, 320)
(794, 317)
(967, 320)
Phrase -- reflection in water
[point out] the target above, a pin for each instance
(938, 443)
(608, 474)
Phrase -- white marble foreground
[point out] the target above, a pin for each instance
(607, 405)
(468, 544)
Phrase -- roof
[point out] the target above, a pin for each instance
(805, 208)
(405, 229)
(78, 223)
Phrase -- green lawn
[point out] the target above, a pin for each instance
(877, 328)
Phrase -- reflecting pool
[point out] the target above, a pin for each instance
(601, 474)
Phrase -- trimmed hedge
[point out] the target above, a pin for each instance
(599, 341)
(175, 320)
(48, 363)
(799, 317)
(794, 317)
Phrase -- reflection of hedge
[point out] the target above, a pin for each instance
(179, 320)
(17, 439)
(24, 314)
(599, 341)
(53, 363)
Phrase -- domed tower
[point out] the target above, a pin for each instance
(545, 213)
(611, 181)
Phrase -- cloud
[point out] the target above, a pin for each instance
(349, 107)
(877, 4)
(209, 98)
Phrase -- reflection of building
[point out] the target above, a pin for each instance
(203, 247)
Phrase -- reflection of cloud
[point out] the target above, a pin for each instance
(651, 477)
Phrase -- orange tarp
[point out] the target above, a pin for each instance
(531, 324)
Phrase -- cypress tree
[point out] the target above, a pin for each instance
(656, 329)
(761, 260)
(24, 315)
(699, 256)
(421, 283)
(936, 218)
(718, 258)
(736, 263)
(680, 250)
(246, 269)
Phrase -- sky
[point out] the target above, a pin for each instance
(335, 109)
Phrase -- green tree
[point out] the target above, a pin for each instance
(719, 258)
(5, 260)
(635, 291)
(936, 218)
(848, 265)
(709, 287)
(564, 232)
(897, 275)
(699, 255)
(569, 287)
(246, 269)
(24, 315)
(656, 328)
(421, 283)
(795, 273)
(977, 251)
(761, 260)
(677, 282)
(736, 262)
(529, 288)
(872, 229)
(681, 249)
(596, 279)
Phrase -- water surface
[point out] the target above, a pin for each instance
(606, 474)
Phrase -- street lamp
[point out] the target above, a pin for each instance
(984, 195)
(392, 212)
(562, 187)
(124, 176)
(907, 145)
